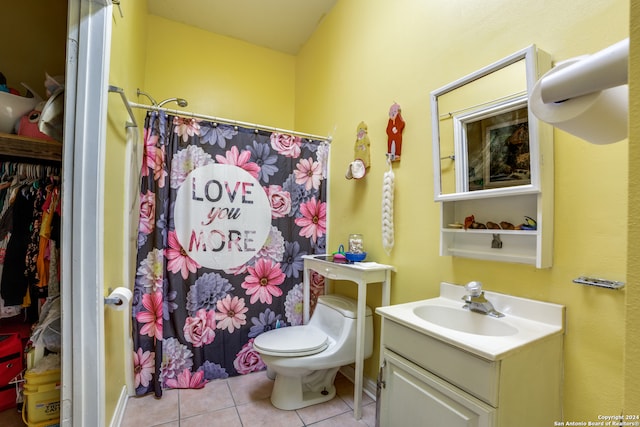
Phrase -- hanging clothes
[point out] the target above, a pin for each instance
(50, 209)
(14, 281)
(21, 261)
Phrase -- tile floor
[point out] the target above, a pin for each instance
(243, 401)
(237, 401)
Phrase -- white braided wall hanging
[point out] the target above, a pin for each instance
(387, 209)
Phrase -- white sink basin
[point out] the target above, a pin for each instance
(463, 320)
(525, 321)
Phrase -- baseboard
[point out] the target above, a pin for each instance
(368, 386)
(118, 414)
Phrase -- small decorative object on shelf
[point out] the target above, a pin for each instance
(339, 256)
(471, 223)
(507, 225)
(356, 251)
(529, 224)
(496, 243)
(356, 243)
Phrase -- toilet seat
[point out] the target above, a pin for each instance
(292, 341)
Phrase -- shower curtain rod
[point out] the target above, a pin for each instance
(229, 121)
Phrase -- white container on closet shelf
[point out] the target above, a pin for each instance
(12, 107)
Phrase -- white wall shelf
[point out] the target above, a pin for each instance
(532, 247)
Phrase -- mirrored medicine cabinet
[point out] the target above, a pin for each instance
(485, 141)
(493, 159)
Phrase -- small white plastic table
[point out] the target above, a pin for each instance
(362, 273)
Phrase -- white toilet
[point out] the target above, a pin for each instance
(305, 359)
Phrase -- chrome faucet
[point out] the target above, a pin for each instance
(475, 300)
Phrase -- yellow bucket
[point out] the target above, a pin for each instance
(42, 398)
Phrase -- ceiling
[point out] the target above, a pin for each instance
(282, 25)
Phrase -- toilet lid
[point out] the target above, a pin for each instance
(291, 341)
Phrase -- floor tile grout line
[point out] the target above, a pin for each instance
(235, 403)
(179, 414)
(233, 398)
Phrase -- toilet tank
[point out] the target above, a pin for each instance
(335, 313)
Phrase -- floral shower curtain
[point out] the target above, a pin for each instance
(226, 214)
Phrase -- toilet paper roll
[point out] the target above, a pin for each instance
(600, 117)
(119, 299)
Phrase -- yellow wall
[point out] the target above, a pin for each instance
(33, 42)
(219, 76)
(632, 343)
(126, 71)
(366, 55)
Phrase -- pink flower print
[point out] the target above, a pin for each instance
(263, 281)
(143, 367)
(151, 316)
(231, 313)
(287, 145)
(317, 284)
(186, 379)
(149, 158)
(147, 212)
(248, 360)
(154, 158)
(186, 127)
(160, 170)
(200, 330)
(313, 220)
(280, 201)
(177, 258)
(240, 159)
(308, 173)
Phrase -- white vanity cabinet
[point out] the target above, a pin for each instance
(414, 396)
(428, 382)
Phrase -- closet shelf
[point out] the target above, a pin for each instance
(21, 146)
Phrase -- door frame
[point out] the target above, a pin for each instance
(82, 295)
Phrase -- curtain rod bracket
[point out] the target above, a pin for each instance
(117, 3)
(119, 90)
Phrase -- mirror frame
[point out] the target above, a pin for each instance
(461, 141)
(529, 55)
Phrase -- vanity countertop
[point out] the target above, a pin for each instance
(526, 321)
